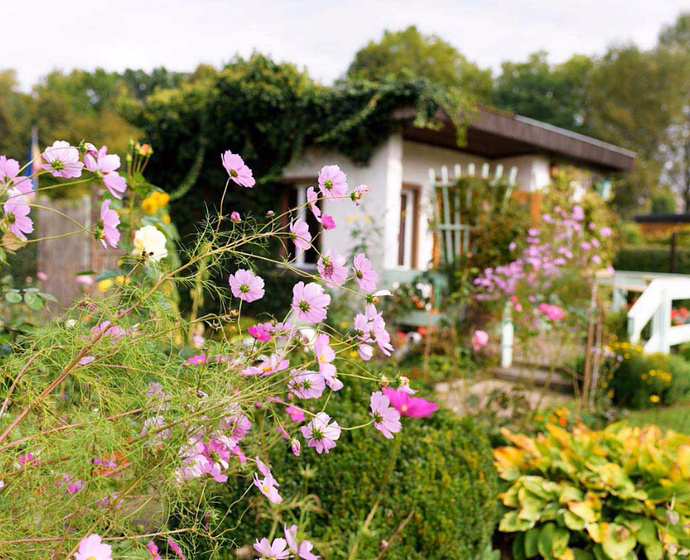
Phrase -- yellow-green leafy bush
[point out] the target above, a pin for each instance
(617, 493)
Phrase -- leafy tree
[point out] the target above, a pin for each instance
(674, 43)
(555, 94)
(15, 116)
(424, 56)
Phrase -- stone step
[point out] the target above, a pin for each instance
(531, 375)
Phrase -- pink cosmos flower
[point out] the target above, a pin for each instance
(9, 175)
(93, 548)
(235, 217)
(42, 276)
(153, 550)
(321, 433)
(259, 332)
(331, 269)
(310, 302)
(552, 312)
(276, 551)
(296, 415)
(414, 407)
(198, 360)
(328, 222)
(268, 485)
(370, 328)
(332, 181)
(479, 340)
(307, 384)
(176, 549)
(270, 365)
(302, 549)
(358, 193)
(106, 229)
(386, 418)
(238, 171)
(27, 458)
(312, 199)
(324, 357)
(605, 231)
(63, 160)
(295, 447)
(17, 210)
(105, 165)
(299, 233)
(214, 460)
(246, 286)
(364, 274)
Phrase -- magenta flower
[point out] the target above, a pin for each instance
(331, 269)
(357, 194)
(414, 407)
(479, 340)
(17, 210)
(63, 160)
(238, 171)
(605, 231)
(105, 166)
(176, 549)
(324, 357)
(307, 385)
(328, 222)
(153, 550)
(386, 418)
(93, 548)
(364, 273)
(296, 415)
(259, 332)
(302, 549)
(29, 458)
(312, 199)
(332, 181)
(106, 228)
(299, 233)
(268, 485)
(321, 433)
(276, 551)
(246, 286)
(310, 302)
(198, 360)
(270, 365)
(235, 217)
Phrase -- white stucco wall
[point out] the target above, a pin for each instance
(533, 171)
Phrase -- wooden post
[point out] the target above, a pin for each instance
(672, 252)
(535, 208)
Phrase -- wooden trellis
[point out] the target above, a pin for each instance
(456, 212)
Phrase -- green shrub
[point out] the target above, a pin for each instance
(663, 202)
(652, 258)
(442, 478)
(618, 493)
(631, 234)
(640, 380)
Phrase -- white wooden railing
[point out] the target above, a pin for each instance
(655, 304)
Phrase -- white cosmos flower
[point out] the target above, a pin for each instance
(150, 242)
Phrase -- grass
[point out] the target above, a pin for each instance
(672, 418)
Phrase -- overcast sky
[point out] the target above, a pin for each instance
(41, 35)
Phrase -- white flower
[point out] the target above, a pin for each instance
(149, 242)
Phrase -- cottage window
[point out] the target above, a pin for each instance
(408, 234)
(297, 196)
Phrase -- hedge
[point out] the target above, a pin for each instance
(652, 258)
(443, 479)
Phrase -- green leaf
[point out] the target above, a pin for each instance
(654, 551)
(13, 297)
(518, 547)
(531, 538)
(618, 542)
(48, 297)
(33, 300)
(511, 524)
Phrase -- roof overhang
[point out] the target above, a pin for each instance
(498, 134)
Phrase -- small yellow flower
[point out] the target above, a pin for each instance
(654, 398)
(166, 219)
(160, 198)
(343, 325)
(149, 205)
(105, 285)
(122, 280)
